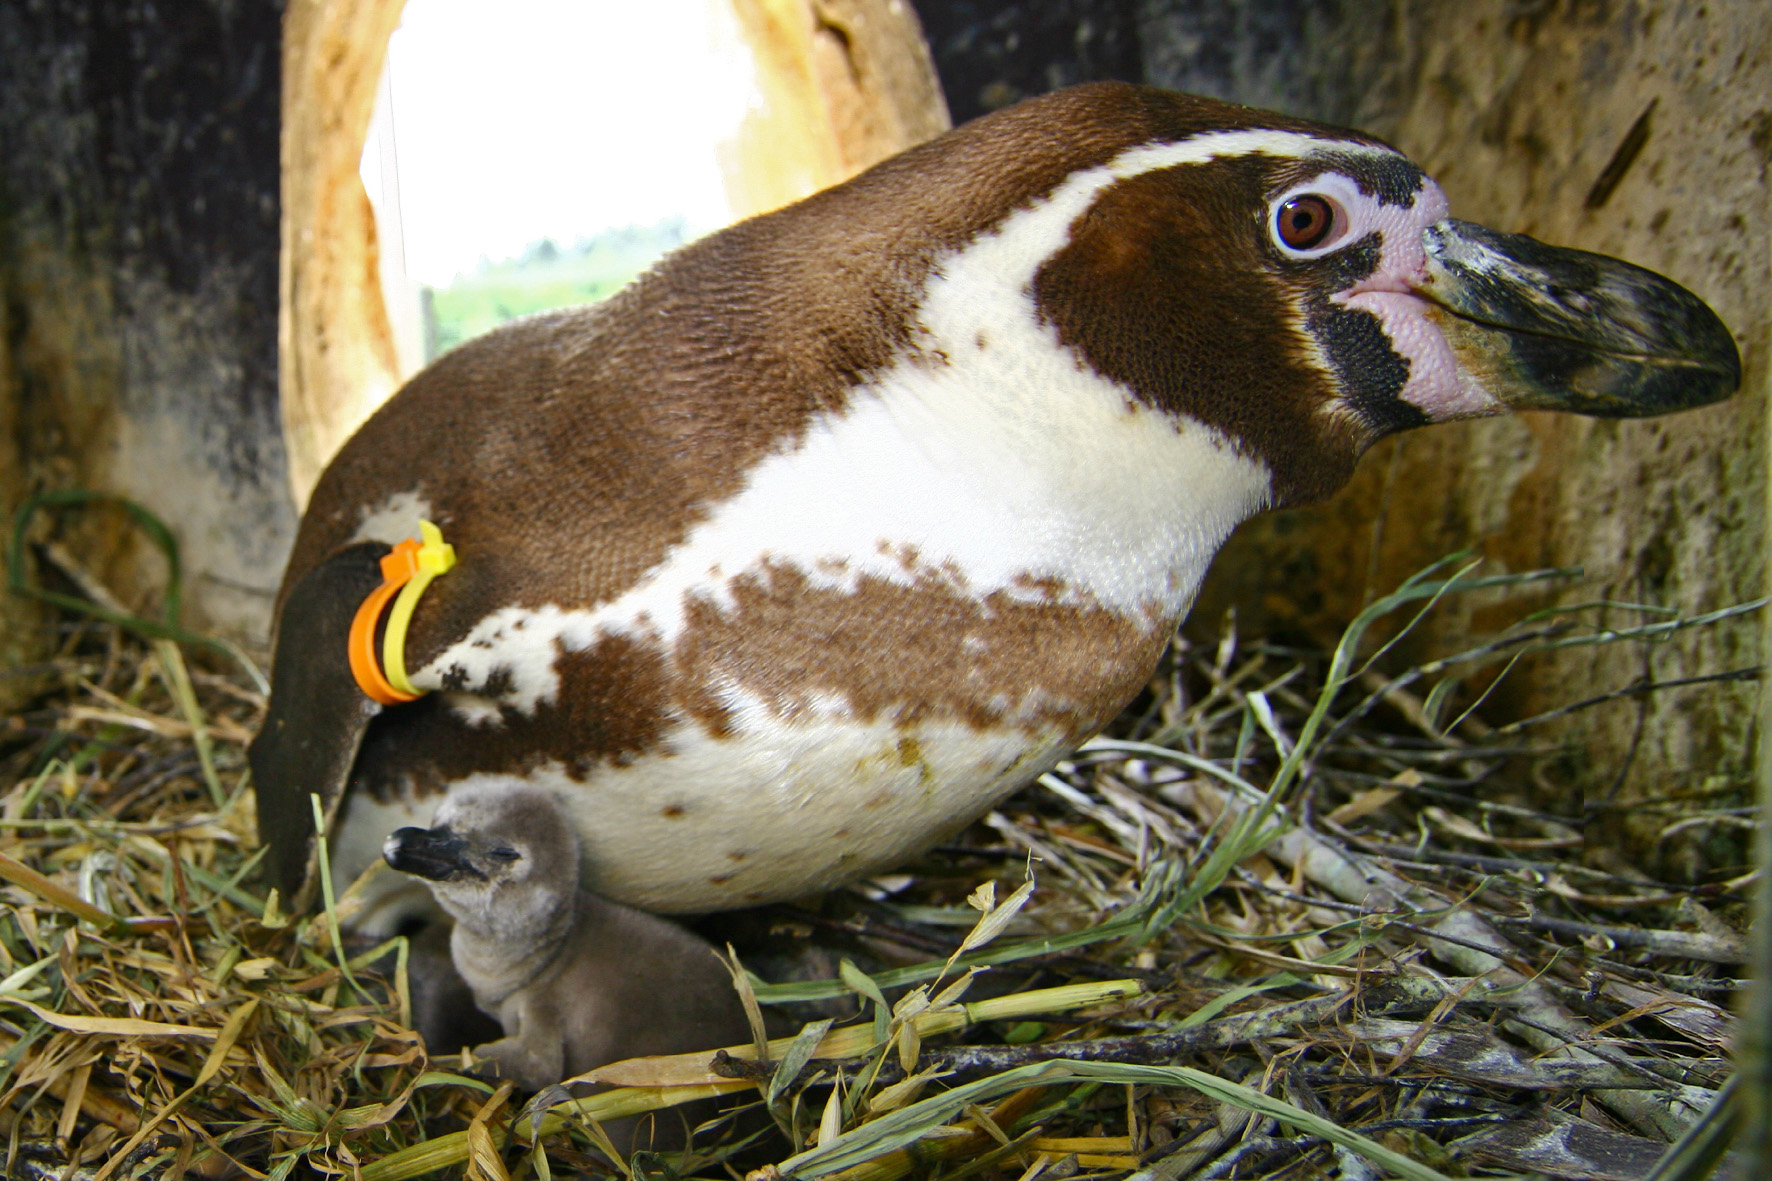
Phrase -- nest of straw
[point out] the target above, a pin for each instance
(1293, 916)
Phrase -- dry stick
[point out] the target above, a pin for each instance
(1391, 996)
(1378, 889)
(1489, 863)
(218, 1053)
(1229, 1123)
(1021, 1146)
(1679, 945)
(1637, 689)
(1655, 1071)
(1263, 1152)
(56, 894)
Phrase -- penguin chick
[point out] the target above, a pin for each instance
(575, 980)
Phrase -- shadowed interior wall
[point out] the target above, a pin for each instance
(990, 53)
(1519, 110)
(138, 289)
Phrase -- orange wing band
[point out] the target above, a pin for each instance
(397, 569)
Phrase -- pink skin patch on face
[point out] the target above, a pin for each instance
(1436, 386)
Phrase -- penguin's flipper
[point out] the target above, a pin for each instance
(317, 715)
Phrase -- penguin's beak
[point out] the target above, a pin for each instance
(435, 854)
(1545, 328)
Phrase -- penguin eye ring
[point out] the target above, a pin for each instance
(1306, 221)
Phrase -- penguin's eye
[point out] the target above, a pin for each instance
(500, 853)
(1306, 221)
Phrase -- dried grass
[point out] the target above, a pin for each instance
(1297, 914)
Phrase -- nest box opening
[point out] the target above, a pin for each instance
(705, 111)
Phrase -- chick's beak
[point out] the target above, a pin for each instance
(435, 854)
(1547, 328)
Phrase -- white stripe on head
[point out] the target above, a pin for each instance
(1036, 232)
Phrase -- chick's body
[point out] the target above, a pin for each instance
(576, 981)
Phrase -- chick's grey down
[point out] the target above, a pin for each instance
(575, 981)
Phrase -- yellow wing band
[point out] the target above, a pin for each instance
(435, 556)
(406, 573)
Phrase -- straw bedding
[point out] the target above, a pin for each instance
(1296, 915)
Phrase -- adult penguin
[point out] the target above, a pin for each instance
(840, 524)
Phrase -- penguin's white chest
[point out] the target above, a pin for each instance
(788, 808)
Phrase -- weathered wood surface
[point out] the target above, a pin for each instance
(336, 345)
(844, 84)
(138, 223)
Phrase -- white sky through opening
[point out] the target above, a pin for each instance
(528, 119)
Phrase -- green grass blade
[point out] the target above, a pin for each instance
(904, 1127)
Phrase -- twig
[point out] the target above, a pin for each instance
(1397, 995)
(1682, 945)
(1635, 689)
